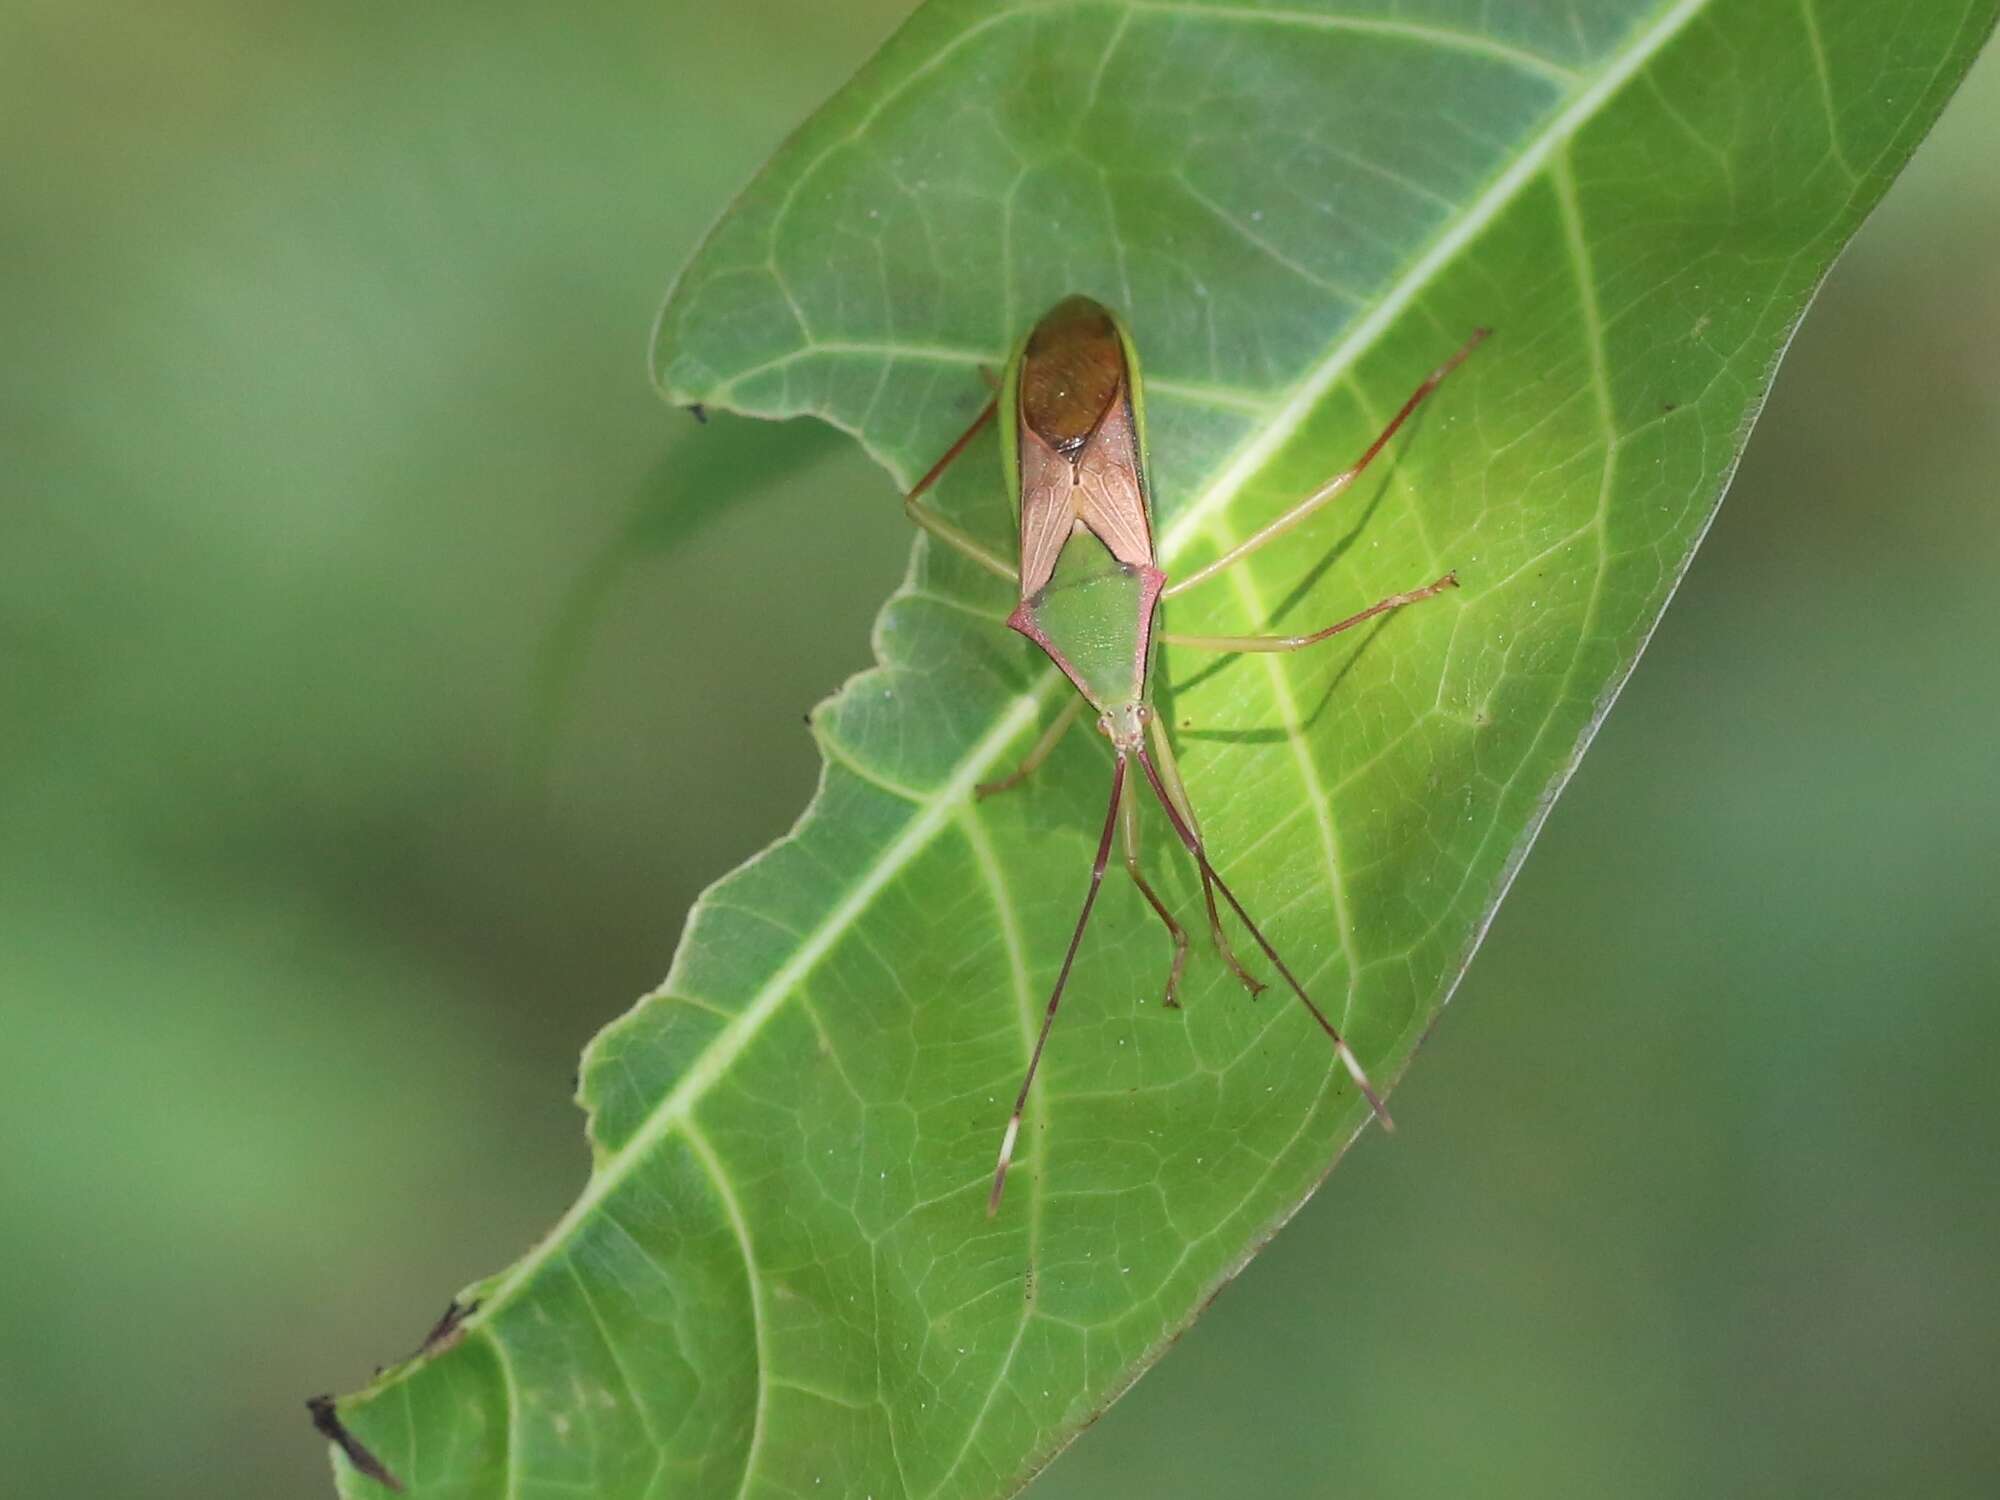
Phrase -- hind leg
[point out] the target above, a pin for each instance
(1170, 775)
(1129, 827)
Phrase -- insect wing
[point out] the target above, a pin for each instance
(1048, 508)
(1074, 443)
(1111, 489)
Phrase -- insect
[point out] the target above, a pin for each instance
(1090, 589)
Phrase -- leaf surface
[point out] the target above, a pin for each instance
(779, 1278)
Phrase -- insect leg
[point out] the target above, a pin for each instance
(1059, 726)
(956, 539)
(1055, 996)
(1194, 845)
(1334, 486)
(936, 524)
(1297, 642)
(1183, 809)
(931, 476)
(1130, 839)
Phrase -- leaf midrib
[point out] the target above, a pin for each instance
(936, 811)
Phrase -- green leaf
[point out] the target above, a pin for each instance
(779, 1279)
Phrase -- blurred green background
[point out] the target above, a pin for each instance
(376, 698)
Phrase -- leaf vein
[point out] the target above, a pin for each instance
(1251, 458)
(1034, 1124)
(732, 1210)
(1445, 38)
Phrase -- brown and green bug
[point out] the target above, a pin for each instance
(1090, 588)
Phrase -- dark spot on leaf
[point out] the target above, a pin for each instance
(1670, 406)
(699, 413)
(327, 1422)
(445, 1331)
